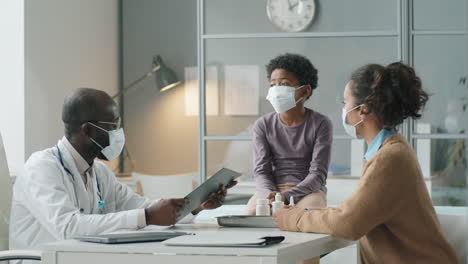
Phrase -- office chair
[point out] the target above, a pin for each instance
(6, 188)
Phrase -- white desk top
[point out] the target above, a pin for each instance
(293, 243)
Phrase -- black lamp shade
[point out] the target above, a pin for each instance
(166, 78)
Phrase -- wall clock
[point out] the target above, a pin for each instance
(291, 15)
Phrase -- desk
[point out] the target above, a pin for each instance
(296, 246)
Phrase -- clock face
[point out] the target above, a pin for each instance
(291, 15)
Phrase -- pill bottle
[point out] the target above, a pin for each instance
(277, 204)
(263, 207)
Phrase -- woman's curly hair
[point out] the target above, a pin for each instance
(393, 93)
(296, 64)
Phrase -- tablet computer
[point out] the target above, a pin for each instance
(131, 237)
(201, 194)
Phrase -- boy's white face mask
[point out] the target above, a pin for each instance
(350, 129)
(116, 143)
(282, 97)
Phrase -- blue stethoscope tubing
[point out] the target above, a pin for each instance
(101, 202)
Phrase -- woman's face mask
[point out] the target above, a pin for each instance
(116, 143)
(282, 98)
(350, 129)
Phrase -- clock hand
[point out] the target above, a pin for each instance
(293, 6)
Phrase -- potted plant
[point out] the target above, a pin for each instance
(450, 181)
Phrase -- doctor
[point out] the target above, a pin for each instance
(64, 192)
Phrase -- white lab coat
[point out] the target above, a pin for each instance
(47, 201)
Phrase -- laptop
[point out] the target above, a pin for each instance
(131, 237)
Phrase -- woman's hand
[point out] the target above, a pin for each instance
(281, 217)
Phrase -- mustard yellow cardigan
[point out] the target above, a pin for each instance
(390, 213)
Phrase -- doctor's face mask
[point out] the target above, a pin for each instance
(116, 142)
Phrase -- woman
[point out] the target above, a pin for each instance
(391, 212)
(291, 145)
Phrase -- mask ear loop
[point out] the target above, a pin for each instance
(95, 142)
(99, 145)
(98, 127)
(352, 109)
(302, 98)
(355, 125)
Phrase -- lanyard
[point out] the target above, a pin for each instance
(101, 203)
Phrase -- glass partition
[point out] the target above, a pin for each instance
(242, 79)
(247, 16)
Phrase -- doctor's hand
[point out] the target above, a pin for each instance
(280, 217)
(216, 199)
(164, 212)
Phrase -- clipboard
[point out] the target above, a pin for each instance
(214, 240)
(202, 193)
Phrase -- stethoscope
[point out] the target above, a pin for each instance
(101, 202)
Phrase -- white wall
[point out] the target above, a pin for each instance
(68, 44)
(12, 80)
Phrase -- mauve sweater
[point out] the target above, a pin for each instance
(298, 155)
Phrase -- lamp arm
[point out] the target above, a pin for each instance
(137, 81)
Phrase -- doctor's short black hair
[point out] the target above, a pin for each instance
(81, 105)
(296, 64)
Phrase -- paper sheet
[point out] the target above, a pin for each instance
(241, 90)
(192, 91)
